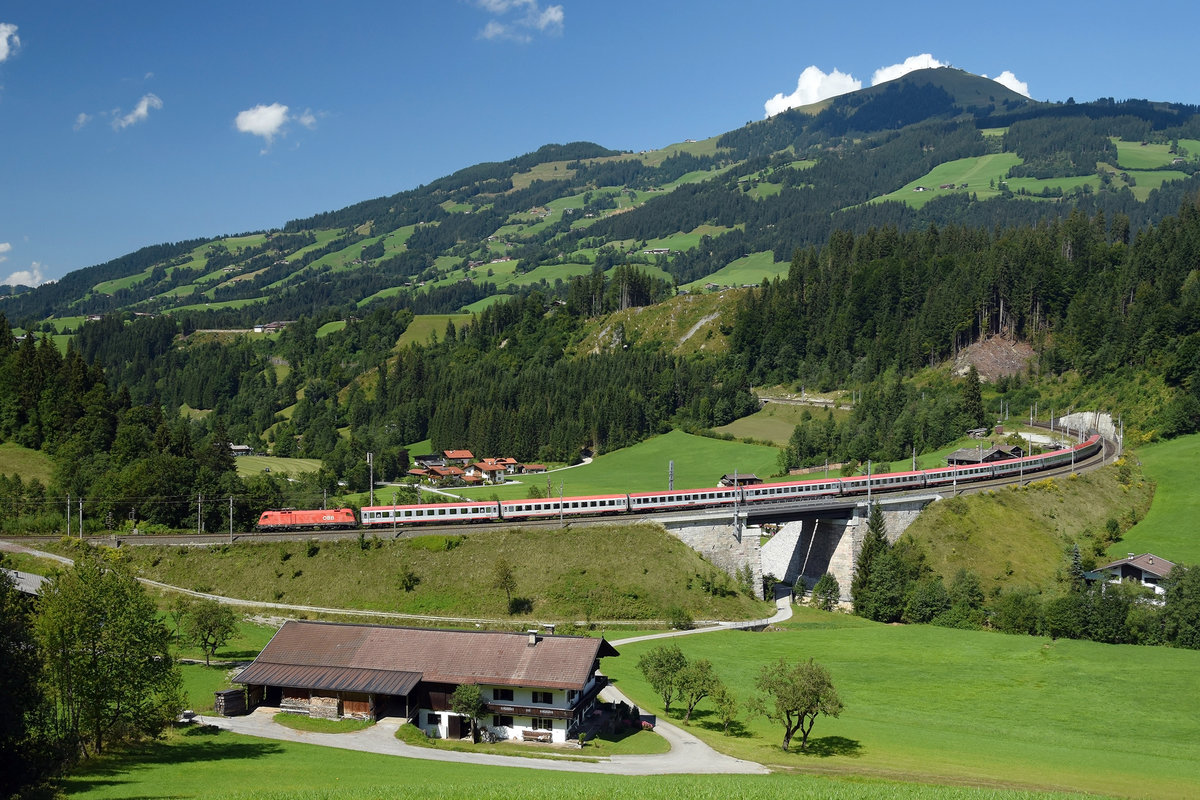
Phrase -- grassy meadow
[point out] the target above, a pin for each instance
(576, 574)
(937, 705)
(749, 269)
(1020, 536)
(250, 465)
(203, 762)
(18, 460)
(1169, 528)
(699, 462)
(776, 422)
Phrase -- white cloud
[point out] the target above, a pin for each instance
(527, 17)
(82, 120)
(813, 86)
(270, 121)
(9, 41)
(5, 248)
(910, 64)
(1007, 78)
(26, 277)
(264, 121)
(139, 114)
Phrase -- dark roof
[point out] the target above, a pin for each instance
(1146, 562)
(391, 660)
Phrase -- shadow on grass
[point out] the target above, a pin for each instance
(105, 770)
(827, 746)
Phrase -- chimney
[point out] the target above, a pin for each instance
(533, 637)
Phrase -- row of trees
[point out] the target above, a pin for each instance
(790, 694)
(85, 667)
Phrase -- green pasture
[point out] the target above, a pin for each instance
(547, 171)
(699, 462)
(942, 706)
(1169, 530)
(1035, 185)
(216, 306)
(776, 421)
(765, 189)
(1135, 155)
(330, 327)
(424, 325)
(480, 305)
(751, 269)
(29, 464)
(1148, 181)
(686, 241)
(978, 172)
(203, 762)
(251, 465)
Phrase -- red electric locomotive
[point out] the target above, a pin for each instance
(290, 519)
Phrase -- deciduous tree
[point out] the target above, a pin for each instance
(467, 700)
(209, 625)
(108, 664)
(661, 667)
(795, 695)
(696, 681)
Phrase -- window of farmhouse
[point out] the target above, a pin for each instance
(542, 724)
(543, 697)
(502, 694)
(502, 721)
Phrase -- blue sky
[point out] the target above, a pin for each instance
(124, 124)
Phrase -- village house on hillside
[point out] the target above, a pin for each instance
(1147, 569)
(534, 686)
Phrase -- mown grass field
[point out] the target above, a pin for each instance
(199, 762)
(29, 464)
(425, 324)
(618, 572)
(941, 706)
(1169, 528)
(250, 465)
(750, 269)
(979, 173)
(776, 421)
(699, 462)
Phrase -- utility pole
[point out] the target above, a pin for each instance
(395, 532)
(68, 516)
(231, 519)
(868, 483)
(560, 502)
(671, 475)
(199, 513)
(371, 464)
(81, 518)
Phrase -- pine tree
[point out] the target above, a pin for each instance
(874, 545)
(972, 400)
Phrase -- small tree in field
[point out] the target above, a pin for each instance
(796, 694)
(661, 667)
(209, 625)
(696, 681)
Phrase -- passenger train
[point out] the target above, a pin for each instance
(638, 502)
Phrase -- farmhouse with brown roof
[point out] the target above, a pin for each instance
(534, 686)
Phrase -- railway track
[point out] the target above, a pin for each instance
(1107, 452)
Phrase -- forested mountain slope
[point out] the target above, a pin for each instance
(678, 214)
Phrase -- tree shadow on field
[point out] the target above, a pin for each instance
(202, 743)
(827, 746)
